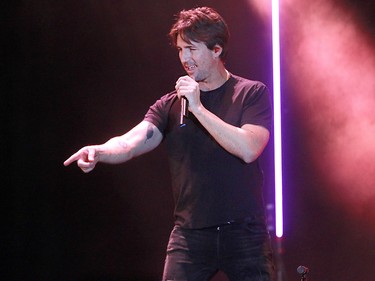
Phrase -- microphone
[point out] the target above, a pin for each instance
(302, 270)
(184, 111)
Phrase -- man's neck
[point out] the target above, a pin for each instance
(217, 80)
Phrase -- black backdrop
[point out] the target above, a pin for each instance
(80, 72)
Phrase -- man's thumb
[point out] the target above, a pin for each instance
(91, 155)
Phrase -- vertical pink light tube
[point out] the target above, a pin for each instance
(277, 118)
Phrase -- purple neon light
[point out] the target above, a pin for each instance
(277, 118)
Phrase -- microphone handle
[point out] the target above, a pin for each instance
(184, 111)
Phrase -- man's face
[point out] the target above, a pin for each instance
(196, 59)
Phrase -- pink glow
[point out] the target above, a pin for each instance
(331, 60)
(263, 7)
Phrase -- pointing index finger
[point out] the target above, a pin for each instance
(72, 158)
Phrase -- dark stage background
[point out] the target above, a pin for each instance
(80, 72)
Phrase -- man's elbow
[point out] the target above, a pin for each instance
(256, 141)
(250, 157)
(252, 153)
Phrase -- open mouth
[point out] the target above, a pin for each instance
(190, 66)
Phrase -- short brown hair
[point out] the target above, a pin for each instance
(201, 24)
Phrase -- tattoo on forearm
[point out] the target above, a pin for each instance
(150, 133)
(122, 143)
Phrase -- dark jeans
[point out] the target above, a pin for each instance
(241, 250)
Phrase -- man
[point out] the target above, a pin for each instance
(216, 178)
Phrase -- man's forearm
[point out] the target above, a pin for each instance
(247, 144)
(139, 140)
(114, 151)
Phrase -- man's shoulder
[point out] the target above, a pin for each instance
(246, 82)
(168, 97)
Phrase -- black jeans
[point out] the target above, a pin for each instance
(241, 250)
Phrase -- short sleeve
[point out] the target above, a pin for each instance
(157, 114)
(257, 108)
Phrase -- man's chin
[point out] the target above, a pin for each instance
(194, 77)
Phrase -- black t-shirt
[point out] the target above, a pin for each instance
(210, 185)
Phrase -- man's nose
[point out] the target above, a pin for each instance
(185, 55)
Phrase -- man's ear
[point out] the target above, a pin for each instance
(217, 50)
